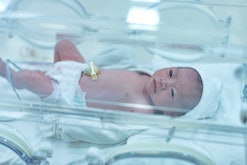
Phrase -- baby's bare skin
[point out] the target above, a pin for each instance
(169, 87)
(117, 86)
(34, 81)
(111, 85)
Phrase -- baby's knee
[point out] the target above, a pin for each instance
(62, 44)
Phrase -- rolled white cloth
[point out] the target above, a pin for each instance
(91, 130)
(211, 96)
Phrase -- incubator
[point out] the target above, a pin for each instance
(137, 36)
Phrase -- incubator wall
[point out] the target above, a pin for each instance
(134, 35)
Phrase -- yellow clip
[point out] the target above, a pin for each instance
(93, 71)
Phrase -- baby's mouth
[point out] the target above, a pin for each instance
(154, 86)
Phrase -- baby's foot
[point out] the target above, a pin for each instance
(2, 68)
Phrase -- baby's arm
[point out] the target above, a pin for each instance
(34, 81)
(66, 50)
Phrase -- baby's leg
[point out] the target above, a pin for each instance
(66, 50)
(34, 81)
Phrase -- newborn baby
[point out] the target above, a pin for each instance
(69, 81)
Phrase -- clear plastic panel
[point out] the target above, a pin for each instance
(150, 35)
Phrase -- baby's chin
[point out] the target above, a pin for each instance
(143, 111)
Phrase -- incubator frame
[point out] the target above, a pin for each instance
(94, 27)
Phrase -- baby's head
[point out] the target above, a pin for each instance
(176, 87)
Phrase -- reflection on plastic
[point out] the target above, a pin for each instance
(152, 154)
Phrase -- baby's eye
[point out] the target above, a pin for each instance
(172, 93)
(170, 73)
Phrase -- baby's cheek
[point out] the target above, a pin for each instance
(166, 100)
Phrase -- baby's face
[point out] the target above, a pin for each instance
(175, 87)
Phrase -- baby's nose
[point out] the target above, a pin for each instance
(163, 83)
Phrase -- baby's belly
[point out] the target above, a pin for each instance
(112, 90)
(106, 88)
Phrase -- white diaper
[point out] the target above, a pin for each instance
(66, 76)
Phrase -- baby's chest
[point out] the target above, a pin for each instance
(113, 85)
(108, 90)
